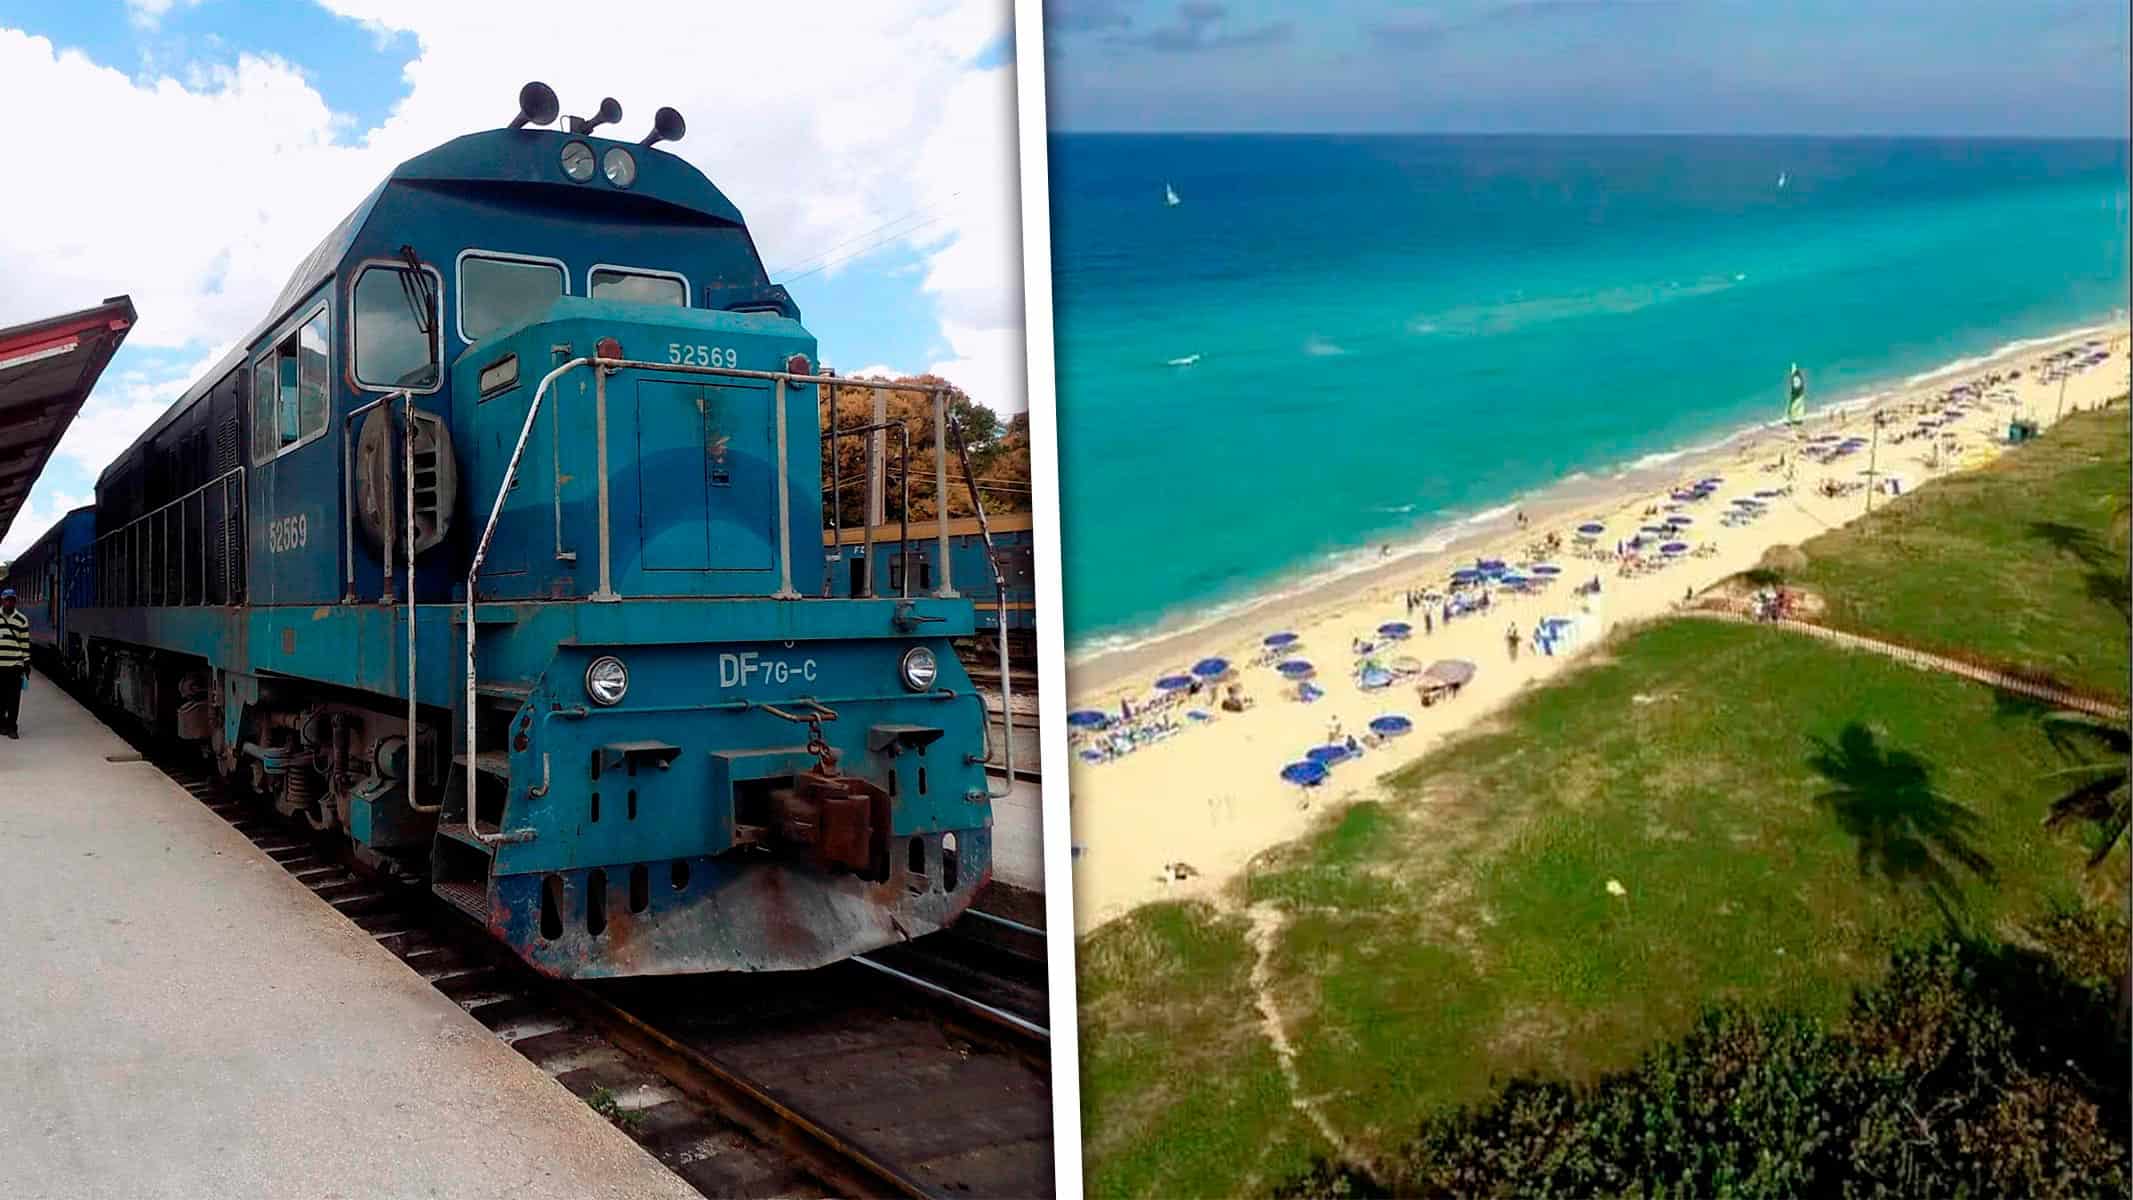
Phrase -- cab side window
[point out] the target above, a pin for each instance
(292, 389)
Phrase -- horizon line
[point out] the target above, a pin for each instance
(1983, 137)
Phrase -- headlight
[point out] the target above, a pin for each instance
(607, 680)
(578, 161)
(620, 167)
(919, 669)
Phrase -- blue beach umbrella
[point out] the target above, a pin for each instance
(1545, 569)
(1326, 756)
(1278, 640)
(1208, 668)
(1199, 714)
(1465, 575)
(1088, 718)
(1296, 668)
(1678, 520)
(1674, 548)
(1304, 774)
(1486, 565)
(1512, 578)
(1592, 529)
(1768, 495)
(1092, 756)
(1391, 725)
(1395, 629)
(1172, 683)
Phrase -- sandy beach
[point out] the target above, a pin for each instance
(1210, 796)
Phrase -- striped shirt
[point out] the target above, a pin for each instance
(14, 640)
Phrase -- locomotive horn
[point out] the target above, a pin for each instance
(536, 104)
(610, 112)
(667, 126)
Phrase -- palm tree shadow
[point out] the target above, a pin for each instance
(2069, 539)
(2105, 579)
(1908, 834)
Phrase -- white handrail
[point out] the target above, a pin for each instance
(603, 365)
(481, 552)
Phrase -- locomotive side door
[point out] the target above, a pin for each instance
(293, 491)
(707, 477)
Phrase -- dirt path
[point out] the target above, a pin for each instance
(1267, 920)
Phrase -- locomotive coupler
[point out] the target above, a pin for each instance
(839, 820)
(817, 712)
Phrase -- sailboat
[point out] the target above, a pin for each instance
(1170, 196)
(1781, 181)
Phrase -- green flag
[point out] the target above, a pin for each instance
(1796, 403)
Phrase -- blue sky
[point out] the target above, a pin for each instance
(881, 183)
(1998, 67)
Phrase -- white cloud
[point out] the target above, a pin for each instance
(34, 518)
(988, 363)
(197, 195)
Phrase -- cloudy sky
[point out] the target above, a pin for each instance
(2051, 67)
(190, 152)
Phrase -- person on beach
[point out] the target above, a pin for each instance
(1429, 627)
(1510, 638)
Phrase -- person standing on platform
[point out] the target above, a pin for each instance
(14, 660)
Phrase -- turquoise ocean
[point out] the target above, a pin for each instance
(1331, 343)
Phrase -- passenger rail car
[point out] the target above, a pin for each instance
(970, 564)
(496, 546)
(51, 576)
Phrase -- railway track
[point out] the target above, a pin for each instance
(919, 1071)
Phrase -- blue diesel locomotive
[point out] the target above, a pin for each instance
(497, 546)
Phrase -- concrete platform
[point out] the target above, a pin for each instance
(180, 1018)
(1018, 818)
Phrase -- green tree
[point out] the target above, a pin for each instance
(999, 452)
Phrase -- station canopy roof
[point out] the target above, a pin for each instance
(47, 368)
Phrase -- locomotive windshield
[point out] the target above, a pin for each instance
(638, 287)
(392, 330)
(500, 293)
